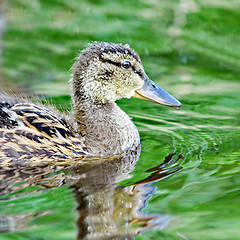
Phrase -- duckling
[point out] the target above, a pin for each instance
(102, 73)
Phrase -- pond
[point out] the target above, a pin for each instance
(184, 182)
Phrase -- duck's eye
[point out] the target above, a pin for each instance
(126, 64)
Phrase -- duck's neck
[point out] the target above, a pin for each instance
(105, 128)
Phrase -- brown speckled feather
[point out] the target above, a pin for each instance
(29, 132)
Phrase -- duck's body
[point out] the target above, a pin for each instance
(106, 129)
(30, 132)
(102, 74)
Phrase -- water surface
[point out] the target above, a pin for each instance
(191, 49)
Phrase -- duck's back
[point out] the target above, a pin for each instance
(29, 131)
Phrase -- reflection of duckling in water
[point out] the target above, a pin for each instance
(102, 73)
(105, 209)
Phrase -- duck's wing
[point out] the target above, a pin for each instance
(31, 132)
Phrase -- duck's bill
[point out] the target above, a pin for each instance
(150, 91)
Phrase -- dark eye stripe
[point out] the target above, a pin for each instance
(110, 61)
(119, 65)
(138, 72)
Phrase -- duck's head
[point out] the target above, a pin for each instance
(106, 72)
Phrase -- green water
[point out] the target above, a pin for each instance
(191, 49)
